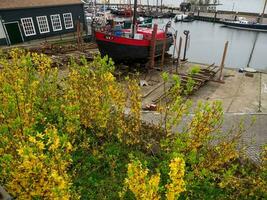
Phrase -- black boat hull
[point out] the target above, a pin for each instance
(251, 27)
(125, 53)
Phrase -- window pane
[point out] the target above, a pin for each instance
(28, 26)
(68, 20)
(43, 24)
(56, 22)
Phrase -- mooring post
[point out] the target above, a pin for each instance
(153, 46)
(178, 54)
(186, 32)
(222, 63)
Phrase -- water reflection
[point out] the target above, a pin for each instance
(207, 42)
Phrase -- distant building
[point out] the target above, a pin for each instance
(184, 6)
(24, 20)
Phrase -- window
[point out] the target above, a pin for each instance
(43, 24)
(28, 26)
(56, 22)
(68, 20)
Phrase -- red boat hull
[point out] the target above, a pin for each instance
(127, 49)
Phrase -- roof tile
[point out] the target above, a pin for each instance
(14, 4)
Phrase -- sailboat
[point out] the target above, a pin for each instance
(131, 44)
(242, 23)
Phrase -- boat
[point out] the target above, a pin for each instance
(145, 22)
(184, 18)
(123, 45)
(120, 46)
(180, 17)
(242, 23)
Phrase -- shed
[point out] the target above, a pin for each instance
(24, 20)
(184, 6)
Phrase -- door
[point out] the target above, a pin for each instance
(13, 32)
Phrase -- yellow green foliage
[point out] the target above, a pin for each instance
(176, 174)
(147, 188)
(133, 131)
(138, 181)
(34, 156)
(33, 173)
(65, 137)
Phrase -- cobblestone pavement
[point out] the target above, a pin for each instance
(254, 137)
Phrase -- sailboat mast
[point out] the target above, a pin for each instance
(262, 15)
(134, 18)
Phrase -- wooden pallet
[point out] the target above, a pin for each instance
(200, 79)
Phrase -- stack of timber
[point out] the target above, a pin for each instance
(200, 78)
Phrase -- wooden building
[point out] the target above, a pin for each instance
(24, 20)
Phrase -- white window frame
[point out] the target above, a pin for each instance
(65, 15)
(25, 29)
(43, 19)
(53, 24)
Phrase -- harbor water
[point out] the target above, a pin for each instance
(206, 44)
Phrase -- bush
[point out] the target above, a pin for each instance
(69, 138)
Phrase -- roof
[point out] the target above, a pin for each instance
(15, 4)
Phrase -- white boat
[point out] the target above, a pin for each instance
(180, 17)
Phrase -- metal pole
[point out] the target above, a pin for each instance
(186, 32)
(179, 52)
(253, 48)
(262, 15)
(223, 59)
(174, 48)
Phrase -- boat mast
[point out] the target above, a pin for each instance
(134, 18)
(262, 15)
